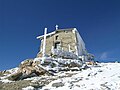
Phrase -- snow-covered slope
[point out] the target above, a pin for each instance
(106, 76)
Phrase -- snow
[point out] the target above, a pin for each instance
(4, 78)
(28, 88)
(14, 70)
(104, 77)
(58, 63)
(6, 81)
(81, 50)
(62, 53)
(11, 71)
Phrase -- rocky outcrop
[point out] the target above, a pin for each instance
(36, 67)
(28, 68)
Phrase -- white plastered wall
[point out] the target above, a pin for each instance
(80, 46)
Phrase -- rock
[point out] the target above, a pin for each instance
(27, 69)
(31, 66)
(17, 85)
(85, 67)
(15, 76)
(73, 64)
(57, 84)
(37, 84)
(2, 73)
(39, 54)
(27, 62)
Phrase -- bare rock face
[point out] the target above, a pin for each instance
(34, 67)
(2, 73)
(15, 76)
(28, 68)
(58, 84)
(72, 64)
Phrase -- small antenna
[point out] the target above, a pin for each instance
(56, 27)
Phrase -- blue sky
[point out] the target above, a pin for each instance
(21, 21)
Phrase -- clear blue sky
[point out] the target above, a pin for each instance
(21, 21)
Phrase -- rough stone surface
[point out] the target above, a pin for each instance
(2, 73)
(15, 76)
(64, 39)
(57, 84)
(18, 85)
(28, 68)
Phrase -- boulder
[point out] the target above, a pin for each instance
(57, 84)
(15, 76)
(29, 68)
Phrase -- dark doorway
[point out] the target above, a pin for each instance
(57, 45)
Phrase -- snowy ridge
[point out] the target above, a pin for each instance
(106, 76)
(103, 76)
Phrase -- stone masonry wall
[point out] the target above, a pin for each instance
(66, 38)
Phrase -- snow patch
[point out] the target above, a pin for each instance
(106, 77)
(6, 81)
(28, 88)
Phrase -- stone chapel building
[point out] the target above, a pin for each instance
(66, 40)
